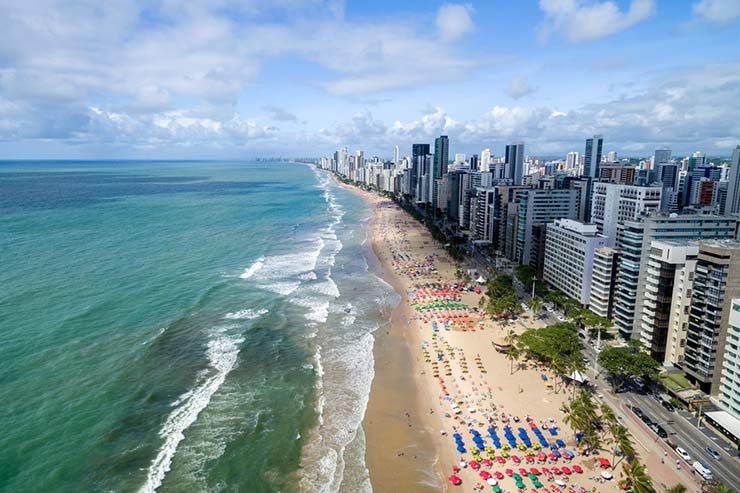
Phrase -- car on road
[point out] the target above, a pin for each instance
(667, 405)
(660, 431)
(638, 412)
(683, 454)
(715, 455)
(702, 470)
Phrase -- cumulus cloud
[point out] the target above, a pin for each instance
(580, 20)
(453, 21)
(687, 111)
(519, 87)
(721, 12)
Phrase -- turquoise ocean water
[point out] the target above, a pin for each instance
(183, 326)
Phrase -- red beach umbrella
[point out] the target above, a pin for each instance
(455, 480)
(484, 474)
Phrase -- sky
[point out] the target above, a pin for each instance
(227, 79)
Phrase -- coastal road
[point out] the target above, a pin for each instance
(681, 426)
(681, 430)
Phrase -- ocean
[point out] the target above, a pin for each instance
(184, 326)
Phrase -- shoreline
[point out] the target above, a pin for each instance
(495, 393)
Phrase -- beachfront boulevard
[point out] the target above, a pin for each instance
(501, 418)
(504, 409)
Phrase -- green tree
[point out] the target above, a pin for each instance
(623, 362)
(636, 478)
(512, 354)
(621, 441)
(535, 304)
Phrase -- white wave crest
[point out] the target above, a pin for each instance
(222, 356)
(252, 269)
(247, 314)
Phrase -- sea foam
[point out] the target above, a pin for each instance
(222, 357)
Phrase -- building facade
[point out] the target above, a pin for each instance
(716, 283)
(613, 204)
(569, 257)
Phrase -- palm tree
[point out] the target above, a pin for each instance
(512, 354)
(608, 417)
(535, 304)
(636, 478)
(621, 440)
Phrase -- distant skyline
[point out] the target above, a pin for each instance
(236, 79)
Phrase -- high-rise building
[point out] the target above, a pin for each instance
(690, 194)
(634, 241)
(592, 156)
(569, 257)
(541, 207)
(572, 160)
(474, 162)
(612, 205)
(667, 262)
(603, 282)
(729, 384)
(459, 158)
(697, 160)
(716, 283)
(441, 155)
(482, 228)
(732, 204)
(515, 162)
(396, 155)
(485, 160)
(623, 174)
(611, 157)
(661, 156)
(417, 151)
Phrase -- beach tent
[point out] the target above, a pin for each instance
(578, 377)
(480, 280)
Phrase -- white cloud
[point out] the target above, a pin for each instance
(453, 21)
(580, 20)
(519, 87)
(720, 12)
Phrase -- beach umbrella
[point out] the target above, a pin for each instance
(484, 474)
(577, 468)
(509, 472)
(480, 446)
(534, 471)
(455, 480)
(566, 470)
(606, 475)
(555, 470)
(498, 475)
(474, 464)
(560, 443)
(604, 462)
(461, 449)
(491, 481)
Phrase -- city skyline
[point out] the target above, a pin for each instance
(293, 77)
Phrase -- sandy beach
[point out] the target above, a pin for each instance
(437, 374)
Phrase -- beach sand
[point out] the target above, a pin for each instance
(408, 422)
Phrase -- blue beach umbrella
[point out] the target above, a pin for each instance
(461, 449)
(456, 436)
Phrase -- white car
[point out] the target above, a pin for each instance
(561, 318)
(702, 471)
(683, 454)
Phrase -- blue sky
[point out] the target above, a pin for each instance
(238, 79)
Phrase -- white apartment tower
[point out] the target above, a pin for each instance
(570, 247)
(612, 204)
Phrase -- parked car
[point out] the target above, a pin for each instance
(661, 431)
(638, 412)
(702, 470)
(683, 454)
(669, 407)
(715, 455)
